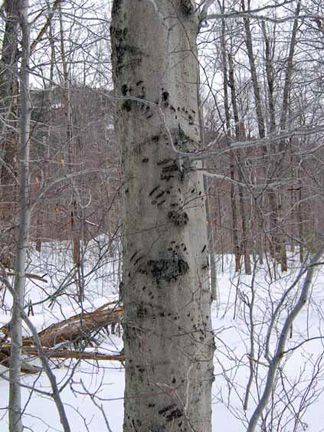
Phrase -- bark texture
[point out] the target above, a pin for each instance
(167, 330)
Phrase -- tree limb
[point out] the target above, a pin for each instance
(45, 26)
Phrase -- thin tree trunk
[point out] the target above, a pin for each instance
(9, 136)
(270, 79)
(262, 131)
(235, 233)
(15, 409)
(283, 122)
(76, 247)
(167, 329)
(254, 75)
(273, 198)
(260, 123)
(300, 222)
(289, 70)
(235, 229)
(9, 91)
(210, 228)
(240, 136)
(211, 242)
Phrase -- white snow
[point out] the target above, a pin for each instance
(93, 391)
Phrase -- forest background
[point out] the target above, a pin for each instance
(261, 79)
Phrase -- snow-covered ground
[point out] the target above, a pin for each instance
(93, 391)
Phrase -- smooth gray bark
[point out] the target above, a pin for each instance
(167, 328)
(15, 409)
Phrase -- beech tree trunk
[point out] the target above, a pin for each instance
(167, 329)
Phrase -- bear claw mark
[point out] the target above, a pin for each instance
(179, 219)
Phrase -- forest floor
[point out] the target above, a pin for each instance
(92, 391)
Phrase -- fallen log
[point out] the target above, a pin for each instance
(75, 354)
(76, 329)
(81, 326)
(26, 365)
